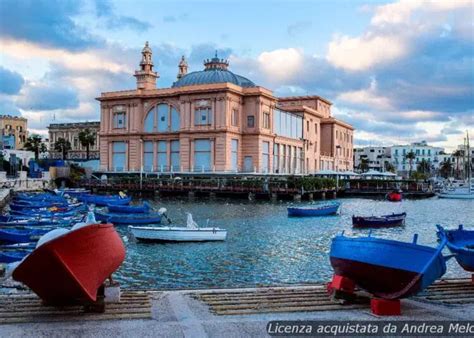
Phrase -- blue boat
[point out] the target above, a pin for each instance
(66, 207)
(461, 243)
(128, 219)
(104, 200)
(35, 223)
(37, 197)
(47, 213)
(13, 256)
(384, 221)
(386, 268)
(139, 209)
(21, 235)
(314, 210)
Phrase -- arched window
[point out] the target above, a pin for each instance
(162, 118)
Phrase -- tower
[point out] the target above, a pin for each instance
(146, 77)
(183, 68)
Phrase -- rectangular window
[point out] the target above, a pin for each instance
(118, 156)
(251, 121)
(148, 156)
(276, 122)
(265, 156)
(266, 120)
(119, 120)
(276, 157)
(161, 158)
(203, 116)
(175, 159)
(235, 155)
(235, 117)
(307, 126)
(202, 155)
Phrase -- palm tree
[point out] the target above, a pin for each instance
(63, 146)
(87, 139)
(364, 164)
(445, 168)
(389, 167)
(424, 167)
(35, 144)
(410, 157)
(458, 154)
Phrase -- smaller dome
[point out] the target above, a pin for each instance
(147, 48)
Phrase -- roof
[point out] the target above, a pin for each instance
(213, 76)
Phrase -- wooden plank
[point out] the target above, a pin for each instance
(258, 296)
(94, 317)
(264, 306)
(265, 299)
(291, 309)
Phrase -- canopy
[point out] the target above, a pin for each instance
(327, 172)
(348, 173)
(372, 172)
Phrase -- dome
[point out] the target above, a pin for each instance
(216, 72)
(213, 76)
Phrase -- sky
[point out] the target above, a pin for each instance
(398, 71)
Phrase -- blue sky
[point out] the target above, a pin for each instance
(399, 71)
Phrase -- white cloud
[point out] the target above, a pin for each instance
(281, 64)
(367, 97)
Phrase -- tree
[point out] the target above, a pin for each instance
(35, 144)
(445, 168)
(87, 139)
(389, 167)
(364, 164)
(63, 146)
(410, 157)
(458, 154)
(424, 167)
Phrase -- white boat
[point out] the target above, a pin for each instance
(190, 233)
(459, 192)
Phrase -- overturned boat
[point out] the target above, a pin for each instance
(461, 243)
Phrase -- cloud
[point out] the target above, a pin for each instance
(45, 22)
(281, 64)
(106, 11)
(10, 82)
(298, 27)
(47, 97)
(8, 106)
(366, 97)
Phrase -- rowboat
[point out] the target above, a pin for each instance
(314, 210)
(20, 235)
(12, 256)
(144, 208)
(191, 233)
(461, 243)
(386, 221)
(44, 213)
(104, 200)
(35, 223)
(386, 268)
(120, 218)
(394, 196)
(69, 269)
(45, 207)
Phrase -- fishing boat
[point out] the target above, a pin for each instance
(35, 223)
(314, 210)
(47, 213)
(69, 269)
(461, 244)
(394, 196)
(20, 235)
(388, 269)
(383, 221)
(105, 200)
(120, 218)
(139, 209)
(13, 256)
(45, 207)
(190, 233)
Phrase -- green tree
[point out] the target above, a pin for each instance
(63, 146)
(364, 164)
(35, 144)
(410, 157)
(87, 139)
(445, 168)
(389, 167)
(424, 167)
(457, 155)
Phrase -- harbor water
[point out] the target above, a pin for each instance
(266, 247)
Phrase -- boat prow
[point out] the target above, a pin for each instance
(70, 269)
(461, 243)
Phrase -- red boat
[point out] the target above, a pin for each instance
(71, 268)
(394, 196)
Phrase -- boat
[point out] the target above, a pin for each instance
(394, 196)
(141, 209)
(314, 210)
(48, 207)
(20, 235)
(387, 269)
(13, 256)
(120, 218)
(392, 220)
(34, 223)
(70, 269)
(461, 191)
(191, 233)
(461, 244)
(105, 200)
(46, 213)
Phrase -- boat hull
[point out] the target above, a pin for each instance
(457, 196)
(385, 268)
(460, 242)
(71, 268)
(12, 256)
(145, 208)
(385, 221)
(310, 212)
(124, 219)
(394, 197)
(166, 234)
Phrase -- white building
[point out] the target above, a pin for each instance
(433, 155)
(376, 157)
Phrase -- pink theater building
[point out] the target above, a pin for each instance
(214, 120)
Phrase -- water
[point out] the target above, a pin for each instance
(265, 247)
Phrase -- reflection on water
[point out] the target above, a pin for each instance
(265, 247)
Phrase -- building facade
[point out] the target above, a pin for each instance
(70, 132)
(433, 155)
(372, 158)
(13, 132)
(216, 120)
